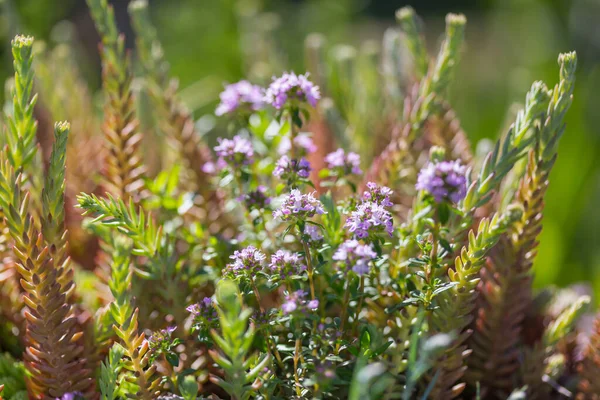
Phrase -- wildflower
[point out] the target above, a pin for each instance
(240, 95)
(285, 264)
(313, 232)
(203, 312)
(298, 206)
(256, 199)
(71, 396)
(302, 143)
(370, 218)
(342, 163)
(294, 88)
(296, 302)
(445, 180)
(378, 194)
(291, 169)
(246, 261)
(355, 256)
(160, 340)
(236, 152)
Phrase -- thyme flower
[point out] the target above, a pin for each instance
(445, 181)
(298, 206)
(240, 95)
(292, 87)
(343, 163)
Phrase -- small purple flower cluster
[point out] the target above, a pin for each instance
(161, 340)
(354, 256)
(314, 233)
(291, 169)
(285, 264)
(302, 143)
(241, 95)
(298, 206)
(204, 313)
(247, 261)
(292, 87)
(445, 181)
(71, 396)
(378, 194)
(343, 163)
(256, 199)
(371, 216)
(236, 152)
(296, 301)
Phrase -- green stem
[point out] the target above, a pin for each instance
(292, 136)
(345, 303)
(257, 295)
(361, 293)
(309, 270)
(296, 359)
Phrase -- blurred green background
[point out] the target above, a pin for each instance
(510, 43)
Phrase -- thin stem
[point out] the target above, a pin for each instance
(257, 295)
(296, 359)
(309, 270)
(273, 345)
(361, 294)
(345, 303)
(292, 136)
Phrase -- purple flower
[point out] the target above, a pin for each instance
(296, 302)
(292, 87)
(343, 163)
(161, 340)
(352, 255)
(313, 232)
(445, 180)
(285, 264)
(298, 206)
(240, 95)
(291, 169)
(303, 143)
(203, 312)
(370, 218)
(256, 199)
(71, 396)
(378, 194)
(245, 261)
(235, 152)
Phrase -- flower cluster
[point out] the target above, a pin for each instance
(256, 199)
(445, 181)
(342, 163)
(302, 143)
(286, 264)
(71, 396)
(161, 341)
(378, 194)
(292, 87)
(313, 233)
(354, 256)
(203, 313)
(240, 96)
(247, 261)
(236, 152)
(298, 206)
(370, 218)
(296, 302)
(291, 169)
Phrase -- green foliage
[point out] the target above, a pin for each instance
(375, 295)
(12, 378)
(240, 366)
(22, 126)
